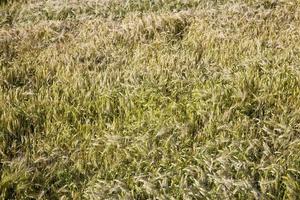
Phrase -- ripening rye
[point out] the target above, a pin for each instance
(160, 99)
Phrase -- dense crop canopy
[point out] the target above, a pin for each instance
(160, 99)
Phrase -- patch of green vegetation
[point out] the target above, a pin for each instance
(150, 99)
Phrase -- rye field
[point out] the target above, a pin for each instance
(150, 99)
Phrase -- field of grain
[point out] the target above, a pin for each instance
(150, 99)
